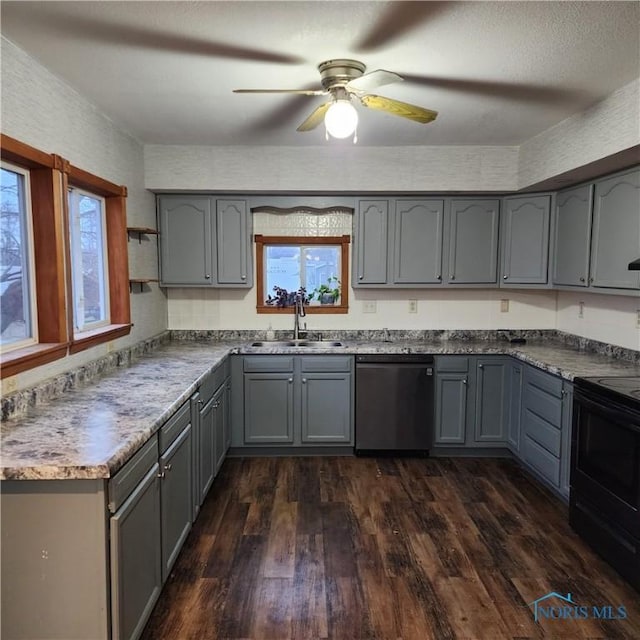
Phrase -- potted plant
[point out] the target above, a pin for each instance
(284, 298)
(327, 293)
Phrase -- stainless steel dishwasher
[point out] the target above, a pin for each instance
(394, 403)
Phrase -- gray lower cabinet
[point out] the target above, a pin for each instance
(546, 419)
(616, 231)
(525, 239)
(417, 247)
(136, 558)
(473, 241)
(491, 400)
(515, 405)
(572, 236)
(206, 448)
(204, 241)
(451, 408)
(297, 400)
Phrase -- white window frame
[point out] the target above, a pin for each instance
(29, 263)
(76, 264)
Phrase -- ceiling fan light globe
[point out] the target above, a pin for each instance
(341, 119)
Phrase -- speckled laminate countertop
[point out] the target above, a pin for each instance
(91, 432)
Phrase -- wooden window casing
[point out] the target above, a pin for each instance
(342, 241)
(49, 176)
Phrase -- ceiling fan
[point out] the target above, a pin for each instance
(344, 80)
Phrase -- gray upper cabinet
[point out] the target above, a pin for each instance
(185, 240)
(572, 236)
(234, 265)
(418, 241)
(616, 231)
(525, 244)
(372, 234)
(473, 241)
(204, 241)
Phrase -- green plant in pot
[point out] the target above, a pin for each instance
(327, 293)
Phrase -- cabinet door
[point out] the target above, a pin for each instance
(326, 408)
(227, 417)
(616, 231)
(572, 237)
(491, 401)
(371, 242)
(418, 241)
(185, 240)
(268, 408)
(206, 449)
(232, 244)
(473, 241)
(136, 558)
(515, 406)
(451, 408)
(565, 453)
(219, 403)
(525, 252)
(176, 492)
(195, 454)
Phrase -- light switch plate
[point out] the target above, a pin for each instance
(504, 306)
(369, 306)
(581, 309)
(413, 306)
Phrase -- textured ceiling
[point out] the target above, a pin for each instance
(498, 73)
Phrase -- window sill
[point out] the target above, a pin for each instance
(20, 360)
(320, 309)
(88, 339)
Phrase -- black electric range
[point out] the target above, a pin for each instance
(605, 469)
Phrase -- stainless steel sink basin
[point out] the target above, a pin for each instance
(318, 344)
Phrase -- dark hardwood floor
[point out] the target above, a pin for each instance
(386, 549)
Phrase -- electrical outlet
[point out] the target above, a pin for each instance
(581, 309)
(638, 318)
(413, 306)
(504, 306)
(369, 306)
(9, 385)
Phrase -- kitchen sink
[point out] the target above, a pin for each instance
(274, 344)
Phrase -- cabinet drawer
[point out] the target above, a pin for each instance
(543, 405)
(452, 363)
(546, 464)
(172, 428)
(212, 381)
(545, 381)
(326, 363)
(123, 483)
(266, 364)
(542, 432)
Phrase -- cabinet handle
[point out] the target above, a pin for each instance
(504, 277)
(590, 279)
(581, 279)
(200, 402)
(464, 381)
(304, 381)
(167, 467)
(360, 277)
(480, 366)
(208, 276)
(243, 277)
(452, 276)
(290, 380)
(161, 475)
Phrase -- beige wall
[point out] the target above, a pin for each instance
(39, 109)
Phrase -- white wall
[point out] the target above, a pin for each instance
(331, 168)
(612, 319)
(42, 111)
(606, 128)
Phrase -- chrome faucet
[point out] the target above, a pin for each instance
(298, 312)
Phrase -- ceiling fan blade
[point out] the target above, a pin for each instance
(372, 80)
(510, 90)
(300, 92)
(397, 108)
(315, 118)
(398, 19)
(119, 33)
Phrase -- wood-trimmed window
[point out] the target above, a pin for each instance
(302, 247)
(49, 179)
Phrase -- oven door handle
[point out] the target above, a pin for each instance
(627, 417)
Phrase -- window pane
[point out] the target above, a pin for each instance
(321, 263)
(15, 301)
(88, 260)
(282, 268)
